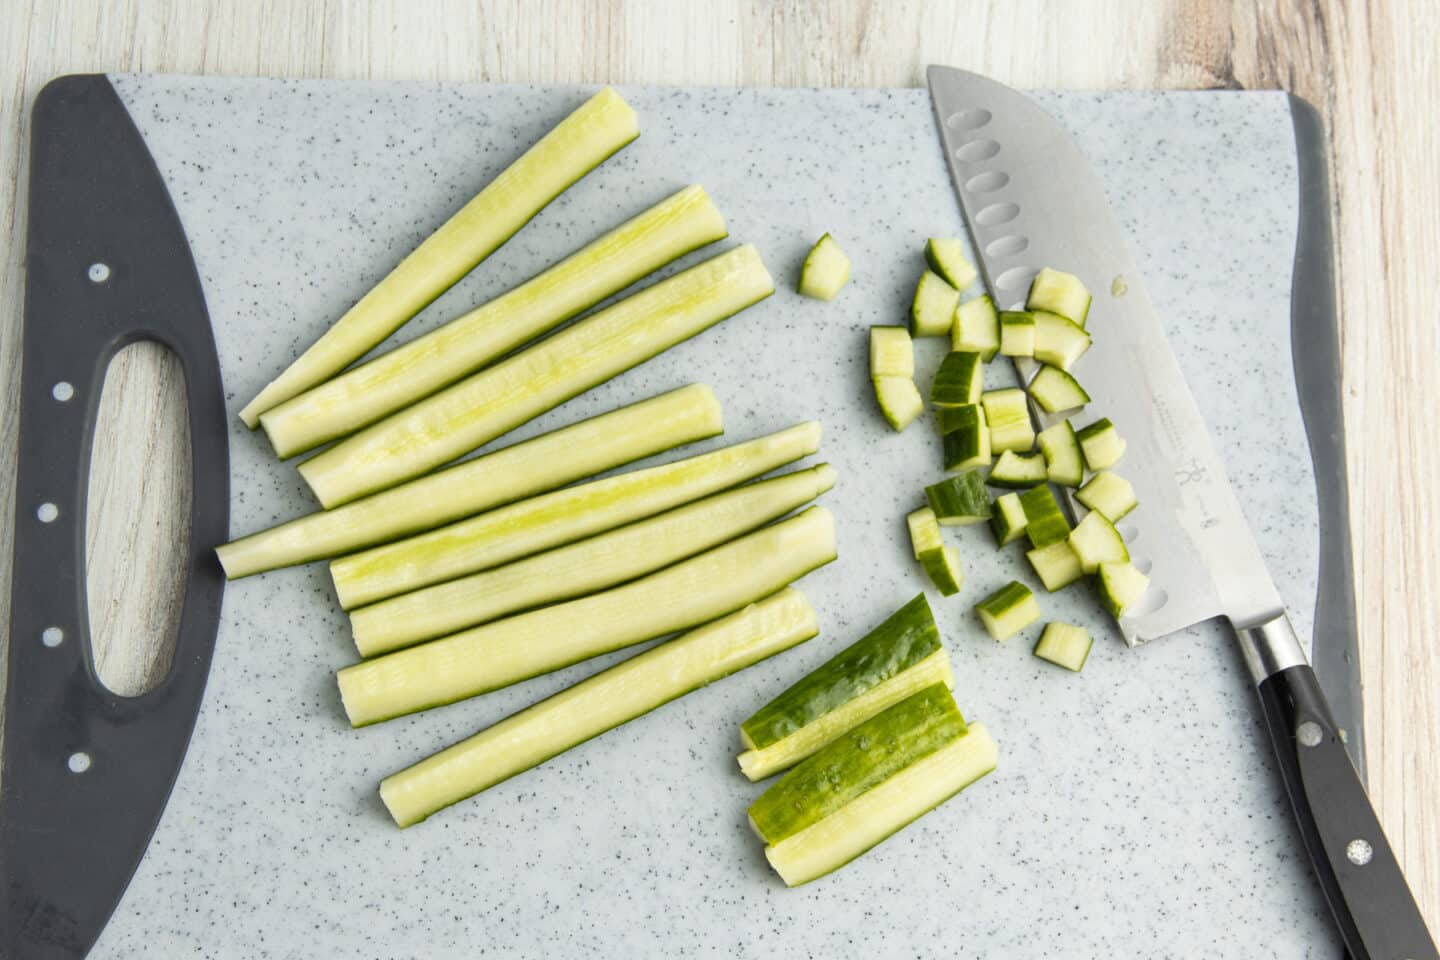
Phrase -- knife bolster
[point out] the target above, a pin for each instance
(1270, 646)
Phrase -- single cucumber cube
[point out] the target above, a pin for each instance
(1121, 584)
(1063, 462)
(932, 312)
(825, 271)
(942, 566)
(1095, 541)
(1056, 565)
(1008, 415)
(1054, 390)
(1061, 293)
(1109, 494)
(960, 500)
(1017, 333)
(960, 380)
(1018, 470)
(892, 353)
(977, 328)
(1059, 342)
(924, 531)
(946, 256)
(965, 437)
(1045, 522)
(1007, 518)
(1102, 444)
(1008, 610)
(899, 400)
(1064, 645)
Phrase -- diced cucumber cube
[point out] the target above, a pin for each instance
(1054, 390)
(1064, 645)
(1007, 518)
(1056, 565)
(932, 312)
(1063, 462)
(1059, 342)
(1101, 444)
(1008, 610)
(1017, 333)
(960, 380)
(1121, 584)
(924, 531)
(942, 566)
(1095, 541)
(965, 437)
(825, 271)
(1018, 470)
(946, 256)
(959, 500)
(1045, 522)
(899, 399)
(1109, 494)
(1008, 415)
(977, 328)
(892, 353)
(1058, 292)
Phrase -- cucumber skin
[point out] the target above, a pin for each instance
(962, 496)
(856, 761)
(906, 637)
(1044, 521)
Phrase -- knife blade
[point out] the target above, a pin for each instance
(1031, 200)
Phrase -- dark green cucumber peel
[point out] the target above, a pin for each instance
(1044, 521)
(857, 761)
(907, 636)
(959, 380)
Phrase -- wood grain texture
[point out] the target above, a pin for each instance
(1372, 67)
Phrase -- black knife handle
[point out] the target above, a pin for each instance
(1358, 873)
(87, 772)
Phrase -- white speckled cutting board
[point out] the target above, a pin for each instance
(1134, 812)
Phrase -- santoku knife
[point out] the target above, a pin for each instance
(1031, 200)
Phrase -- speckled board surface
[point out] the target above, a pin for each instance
(1134, 812)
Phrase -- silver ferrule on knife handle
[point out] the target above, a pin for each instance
(1270, 646)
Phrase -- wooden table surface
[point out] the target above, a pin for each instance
(1372, 67)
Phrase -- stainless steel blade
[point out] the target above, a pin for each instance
(1031, 200)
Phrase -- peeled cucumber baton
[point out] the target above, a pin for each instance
(856, 761)
(393, 380)
(494, 401)
(562, 516)
(599, 703)
(584, 567)
(885, 809)
(498, 654)
(522, 470)
(578, 144)
(897, 658)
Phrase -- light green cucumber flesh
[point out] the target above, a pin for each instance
(942, 566)
(1008, 610)
(1055, 391)
(559, 517)
(1064, 645)
(1060, 293)
(1121, 585)
(857, 761)
(760, 762)
(946, 256)
(1017, 333)
(1007, 518)
(487, 404)
(1058, 341)
(1055, 564)
(959, 500)
(599, 703)
(977, 328)
(1095, 541)
(1109, 494)
(360, 396)
(882, 811)
(509, 474)
(1101, 444)
(577, 145)
(924, 531)
(1007, 413)
(892, 353)
(497, 654)
(1064, 464)
(900, 401)
(825, 271)
(959, 381)
(932, 311)
(583, 567)
(1017, 471)
(1045, 522)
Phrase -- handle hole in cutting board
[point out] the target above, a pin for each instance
(137, 518)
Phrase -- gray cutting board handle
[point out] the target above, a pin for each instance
(107, 263)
